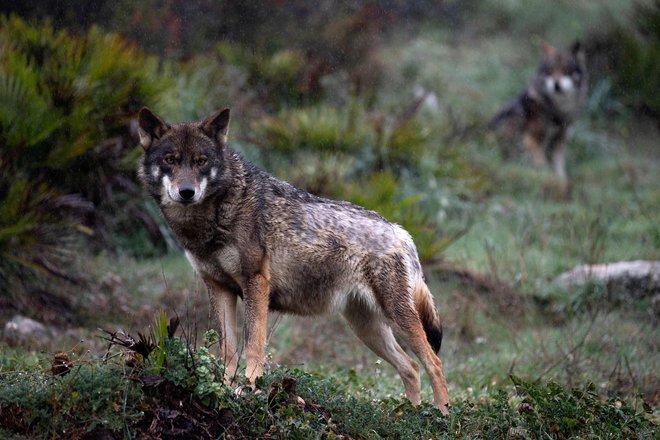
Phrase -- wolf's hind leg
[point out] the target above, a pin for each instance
(413, 334)
(408, 325)
(223, 304)
(372, 329)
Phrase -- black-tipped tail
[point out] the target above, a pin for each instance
(430, 319)
(433, 335)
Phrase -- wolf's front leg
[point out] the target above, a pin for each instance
(256, 319)
(223, 304)
(557, 147)
(534, 143)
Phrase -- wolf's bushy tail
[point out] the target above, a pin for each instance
(429, 316)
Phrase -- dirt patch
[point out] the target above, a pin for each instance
(173, 413)
(505, 297)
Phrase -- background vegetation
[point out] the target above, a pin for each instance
(383, 103)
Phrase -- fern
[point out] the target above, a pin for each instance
(29, 119)
(67, 102)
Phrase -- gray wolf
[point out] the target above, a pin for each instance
(543, 113)
(249, 235)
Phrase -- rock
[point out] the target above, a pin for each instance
(638, 278)
(22, 329)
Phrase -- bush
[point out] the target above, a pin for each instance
(637, 66)
(316, 129)
(378, 141)
(277, 78)
(66, 148)
(577, 413)
(92, 397)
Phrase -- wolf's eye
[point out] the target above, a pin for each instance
(201, 161)
(169, 160)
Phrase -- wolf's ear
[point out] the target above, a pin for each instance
(549, 50)
(217, 126)
(578, 51)
(150, 127)
(576, 48)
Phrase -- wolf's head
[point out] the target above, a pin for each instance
(562, 73)
(182, 163)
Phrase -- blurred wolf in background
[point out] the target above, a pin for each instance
(250, 235)
(541, 116)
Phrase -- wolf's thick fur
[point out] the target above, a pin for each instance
(543, 113)
(251, 235)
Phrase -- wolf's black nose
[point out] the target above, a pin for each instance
(187, 192)
(557, 87)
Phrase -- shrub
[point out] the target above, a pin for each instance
(277, 77)
(317, 129)
(91, 397)
(66, 148)
(637, 66)
(578, 412)
(380, 142)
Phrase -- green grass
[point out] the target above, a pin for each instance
(612, 216)
(122, 398)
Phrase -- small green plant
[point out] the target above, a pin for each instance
(577, 412)
(198, 371)
(90, 397)
(158, 352)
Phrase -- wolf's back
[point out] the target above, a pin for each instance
(512, 111)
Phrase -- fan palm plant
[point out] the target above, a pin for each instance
(66, 148)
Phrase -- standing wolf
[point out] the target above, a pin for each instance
(544, 112)
(250, 235)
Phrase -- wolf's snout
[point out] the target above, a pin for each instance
(187, 192)
(558, 87)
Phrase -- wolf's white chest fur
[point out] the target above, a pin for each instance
(229, 260)
(226, 260)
